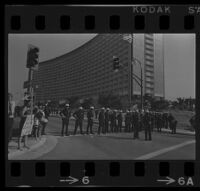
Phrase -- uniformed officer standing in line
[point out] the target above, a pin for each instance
(159, 122)
(79, 117)
(172, 123)
(90, 116)
(107, 119)
(147, 126)
(113, 121)
(127, 121)
(119, 121)
(136, 125)
(65, 115)
(132, 121)
(101, 121)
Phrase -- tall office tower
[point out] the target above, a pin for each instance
(87, 71)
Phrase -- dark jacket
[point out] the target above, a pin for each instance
(90, 114)
(65, 112)
(79, 115)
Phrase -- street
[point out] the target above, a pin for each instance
(114, 145)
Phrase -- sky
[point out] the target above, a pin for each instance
(179, 59)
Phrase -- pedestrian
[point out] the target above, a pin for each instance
(43, 120)
(25, 111)
(65, 115)
(11, 114)
(119, 121)
(147, 126)
(107, 119)
(90, 117)
(35, 123)
(101, 121)
(79, 117)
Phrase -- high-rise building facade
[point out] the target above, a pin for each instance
(88, 70)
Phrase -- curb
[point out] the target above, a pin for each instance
(18, 152)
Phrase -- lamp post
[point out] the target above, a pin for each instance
(139, 80)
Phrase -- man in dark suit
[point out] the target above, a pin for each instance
(79, 116)
(90, 116)
(65, 115)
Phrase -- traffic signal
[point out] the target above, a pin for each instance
(32, 57)
(115, 63)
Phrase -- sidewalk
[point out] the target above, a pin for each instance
(178, 131)
(32, 143)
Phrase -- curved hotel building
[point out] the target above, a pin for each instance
(88, 71)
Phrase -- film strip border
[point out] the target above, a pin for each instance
(107, 173)
(104, 173)
(70, 19)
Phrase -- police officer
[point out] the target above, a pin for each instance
(119, 121)
(65, 115)
(79, 116)
(107, 119)
(136, 125)
(101, 121)
(127, 121)
(192, 121)
(172, 123)
(147, 126)
(113, 118)
(90, 116)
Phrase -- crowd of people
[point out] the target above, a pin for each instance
(110, 121)
(40, 120)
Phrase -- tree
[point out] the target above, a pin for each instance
(73, 101)
(87, 103)
(110, 100)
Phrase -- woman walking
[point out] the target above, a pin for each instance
(24, 113)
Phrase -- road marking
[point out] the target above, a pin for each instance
(165, 150)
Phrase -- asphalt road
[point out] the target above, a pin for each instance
(117, 145)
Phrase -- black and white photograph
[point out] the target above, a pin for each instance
(101, 96)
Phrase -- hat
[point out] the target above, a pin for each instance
(103, 108)
(107, 108)
(80, 107)
(91, 107)
(67, 105)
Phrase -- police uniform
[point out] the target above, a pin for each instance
(65, 114)
(172, 123)
(127, 121)
(107, 119)
(136, 125)
(147, 126)
(119, 121)
(113, 121)
(79, 116)
(101, 121)
(90, 116)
